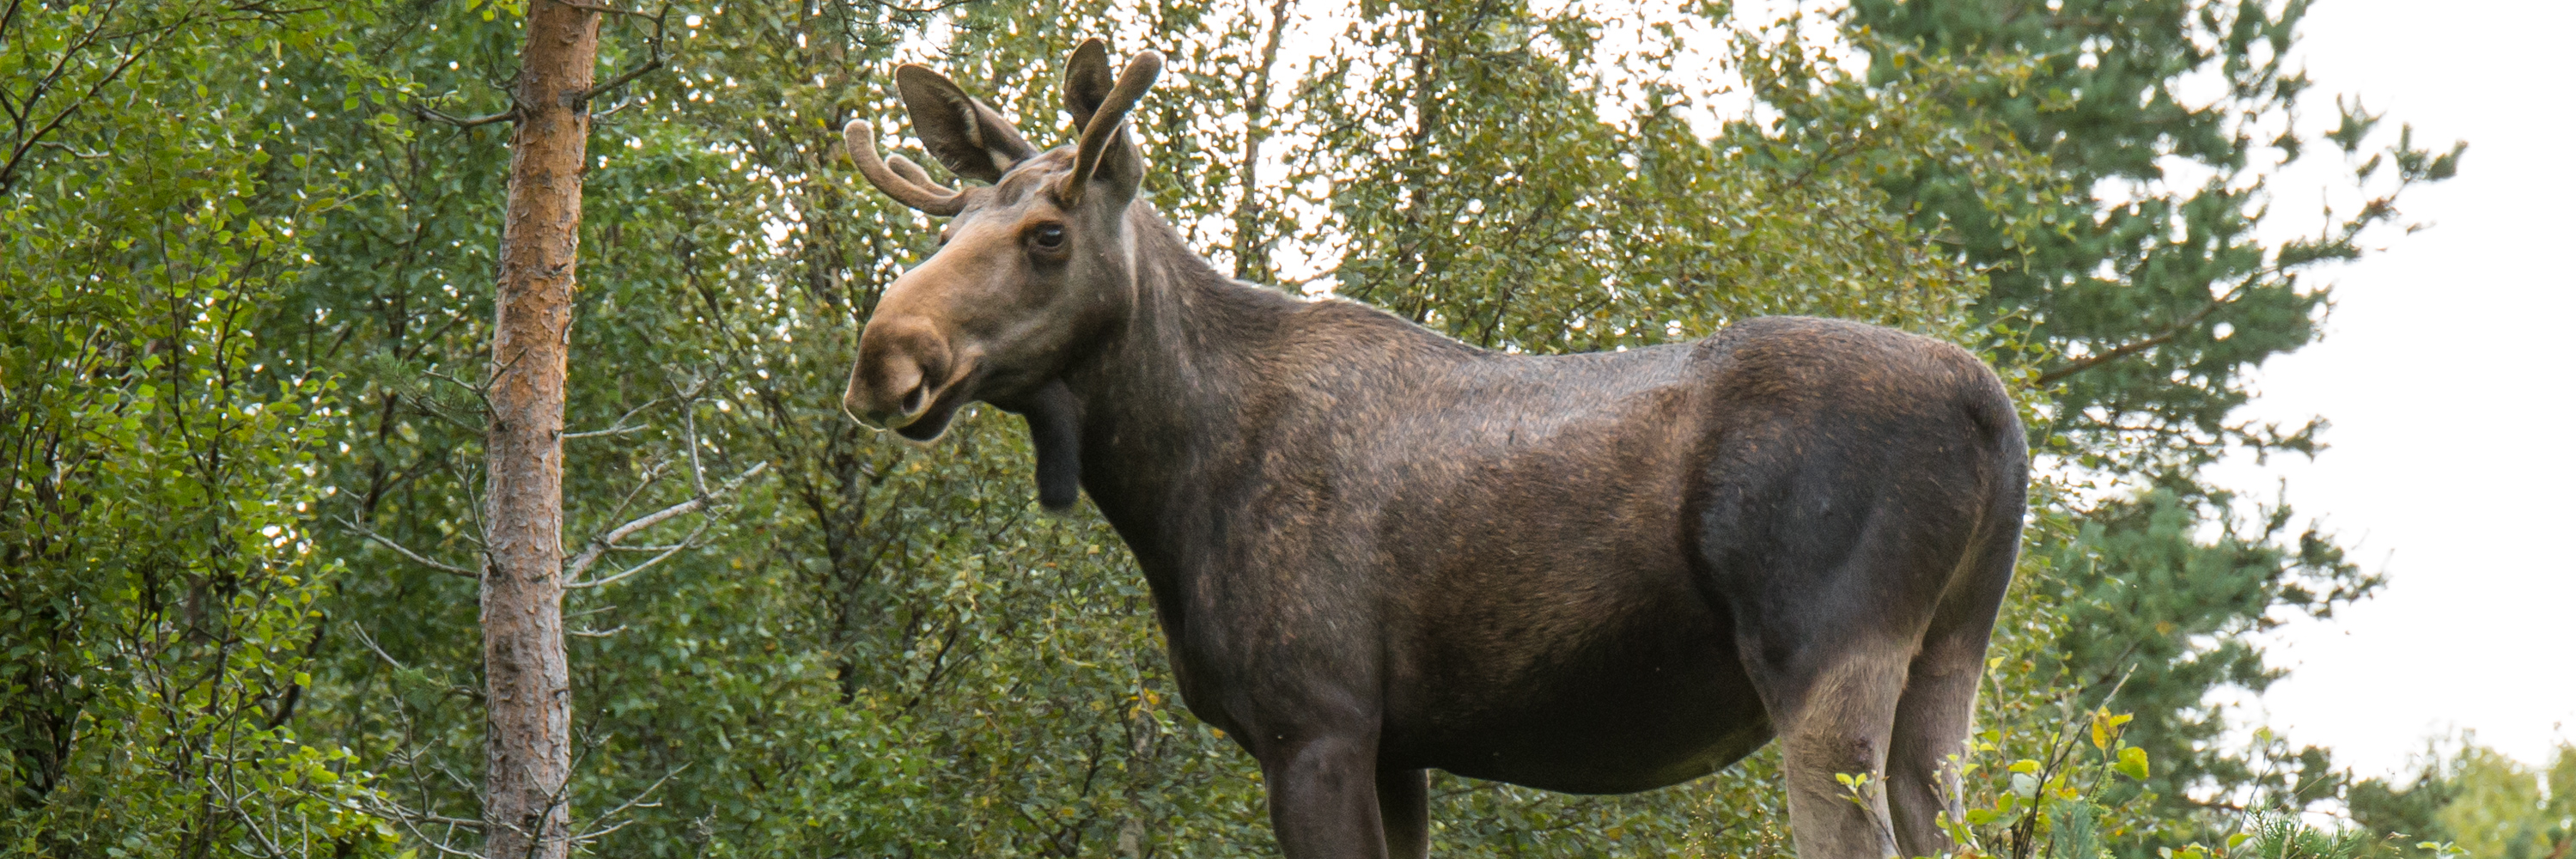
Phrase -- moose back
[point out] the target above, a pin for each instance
(1375, 550)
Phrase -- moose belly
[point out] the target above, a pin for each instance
(1649, 697)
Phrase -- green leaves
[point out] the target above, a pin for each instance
(2132, 763)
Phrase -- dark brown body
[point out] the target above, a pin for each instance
(1562, 572)
(1375, 550)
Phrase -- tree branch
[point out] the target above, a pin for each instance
(369, 533)
(659, 19)
(435, 115)
(620, 425)
(635, 802)
(2161, 338)
(624, 574)
(599, 545)
(606, 10)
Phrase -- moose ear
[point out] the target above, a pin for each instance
(1086, 82)
(971, 138)
(1099, 104)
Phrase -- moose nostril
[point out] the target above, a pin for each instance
(912, 399)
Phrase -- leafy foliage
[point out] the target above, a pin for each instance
(243, 356)
(159, 604)
(2472, 801)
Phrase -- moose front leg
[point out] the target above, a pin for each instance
(1323, 796)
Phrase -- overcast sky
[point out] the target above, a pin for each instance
(2446, 374)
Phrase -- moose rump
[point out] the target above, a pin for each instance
(1375, 550)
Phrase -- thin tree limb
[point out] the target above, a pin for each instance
(637, 801)
(387, 542)
(648, 563)
(618, 426)
(435, 115)
(2166, 336)
(599, 545)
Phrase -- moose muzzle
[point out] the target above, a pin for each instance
(904, 373)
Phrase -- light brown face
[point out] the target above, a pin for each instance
(1029, 266)
(987, 317)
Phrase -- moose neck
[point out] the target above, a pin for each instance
(1161, 398)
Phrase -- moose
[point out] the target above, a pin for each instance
(1374, 550)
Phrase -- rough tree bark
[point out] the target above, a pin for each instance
(528, 743)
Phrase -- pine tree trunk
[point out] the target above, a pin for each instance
(528, 742)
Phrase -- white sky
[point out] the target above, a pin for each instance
(2445, 374)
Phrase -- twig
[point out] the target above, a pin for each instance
(615, 430)
(436, 115)
(697, 471)
(602, 9)
(590, 555)
(364, 531)
(2176, 330)
(370, 642)
(648, 563)
(619, 426)
(637, 801)
(74, 150)
(481, 392)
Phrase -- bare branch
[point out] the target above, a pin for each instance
(622, 575)
(435, 115)
(614, 430)
(2176, 330)
(636, 801)
(76, 152)
(369, 533)
(370, 642)
(606, 10)
(618, 426)
(424, 838)
(590, 554)
(697, 470)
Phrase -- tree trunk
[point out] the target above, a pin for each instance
(528, 742)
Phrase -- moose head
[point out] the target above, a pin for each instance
(1029, 266)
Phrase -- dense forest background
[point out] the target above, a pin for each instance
(246, 261)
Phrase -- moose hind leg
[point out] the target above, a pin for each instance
(1932, 722)
(1323, 797)
(1834, 717)
(1936, 713)
(1403, 805)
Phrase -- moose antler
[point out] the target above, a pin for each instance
(901, 179)
(1105, 121)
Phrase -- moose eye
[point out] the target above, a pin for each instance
(1050, 236)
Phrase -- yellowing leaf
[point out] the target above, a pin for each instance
(2133, 763)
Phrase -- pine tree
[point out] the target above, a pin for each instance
(2155, 295)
